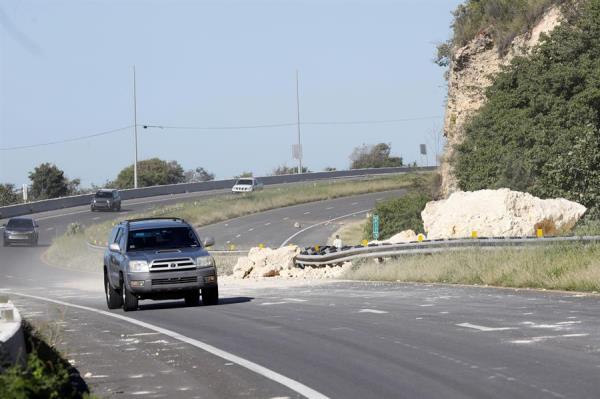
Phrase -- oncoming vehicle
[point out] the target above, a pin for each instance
(158, 258)
(106, 199)
(21, 230)
(247, 185)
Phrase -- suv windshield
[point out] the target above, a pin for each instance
(19, 223)
(165, 238)
(247, 182)
(104, 194)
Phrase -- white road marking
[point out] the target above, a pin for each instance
(329, 208)
(286, 218)
(290, 238)
(256, 368)
(484, 328)
(251, 229)
(307, 212)
(533, 340)
(354, 203)
(268, 224)
(96, 218)
(50, 229)
(372, 311)
(238, 236)
(295, 299)
(272, 303)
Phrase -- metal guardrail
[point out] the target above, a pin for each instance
(329, 255)
(183, 188)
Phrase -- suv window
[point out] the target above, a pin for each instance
(119, 235)
(161, 238)
(245, 182)
(103, 194)
(19, 223)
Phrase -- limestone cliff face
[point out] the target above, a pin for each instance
(472, 69)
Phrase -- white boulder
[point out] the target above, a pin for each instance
(265, 262)
(498, 213)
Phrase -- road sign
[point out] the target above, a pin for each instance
(423, 149)
(376, 227)
(297, 151)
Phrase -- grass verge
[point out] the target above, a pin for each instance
(351, 233)
(217, 209)
(556, 267)
(45, 373)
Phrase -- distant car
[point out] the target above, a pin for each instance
(158, 258)
(247, 185)
(21, 230)
(107, 200)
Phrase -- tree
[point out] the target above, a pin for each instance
(8, 196)
(540, 128)
(373, 156)
(151, 172)
(198, 175)
(243, 174)
(288, 170)
(48, 181)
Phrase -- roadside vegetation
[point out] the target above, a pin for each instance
(503, 19)
(45, 374)
(559, 267)
(351, 233)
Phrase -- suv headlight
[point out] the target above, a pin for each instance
(138, 266)
(205, 261)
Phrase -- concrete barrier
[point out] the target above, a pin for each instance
(182, 188)
(12, 339)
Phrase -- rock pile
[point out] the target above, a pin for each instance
(498, 213)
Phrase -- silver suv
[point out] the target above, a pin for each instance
(158, 258)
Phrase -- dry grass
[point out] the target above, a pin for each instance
(558, 267)
(351, 233)
(217, 209)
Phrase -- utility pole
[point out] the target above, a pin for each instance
(298, 125)
(135, 162)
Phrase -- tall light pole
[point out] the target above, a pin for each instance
(298, 125)
(135, 162)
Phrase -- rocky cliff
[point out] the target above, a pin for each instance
(471, 71)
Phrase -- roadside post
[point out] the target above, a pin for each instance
(540, 233)
(376, 227)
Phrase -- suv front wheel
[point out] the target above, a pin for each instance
(130, 301)
(113, 299)
(210, 296)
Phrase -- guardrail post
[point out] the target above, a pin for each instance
(420, 237)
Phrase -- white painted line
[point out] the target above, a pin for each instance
(251, 229)
(286, 218)
(290, 238)
(50, 229)
(372, 311)
(257, 368)
(354, 203)
(268, 224)
(307, 212)
(238, 236)
(295, 299)
(484, 328)
(329, 208)
(96, 218)
(272, 303)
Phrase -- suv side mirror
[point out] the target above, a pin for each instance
(114, 247)
(35, 224)
(208, 242)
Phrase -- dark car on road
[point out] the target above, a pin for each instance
(158, 258)
(106, 200)
(20, 231)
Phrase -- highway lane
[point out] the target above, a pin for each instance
(341, 339)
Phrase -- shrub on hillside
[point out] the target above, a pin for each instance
(540, 128)
(398, 214)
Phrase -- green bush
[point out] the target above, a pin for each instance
(504, 19)
(540, 128)
(398, 214)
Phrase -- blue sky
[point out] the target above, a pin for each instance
(65, 71)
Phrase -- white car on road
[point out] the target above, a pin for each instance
(247, 185)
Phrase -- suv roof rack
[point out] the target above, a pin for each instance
(154, 218)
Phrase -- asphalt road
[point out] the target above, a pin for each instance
(336, 339)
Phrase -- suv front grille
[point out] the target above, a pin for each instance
(174, 280)
(172, 264)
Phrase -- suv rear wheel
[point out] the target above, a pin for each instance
(130, 301)
(113, 299)
(210, 296)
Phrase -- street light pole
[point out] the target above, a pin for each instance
(298, 124)
(135, 162)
